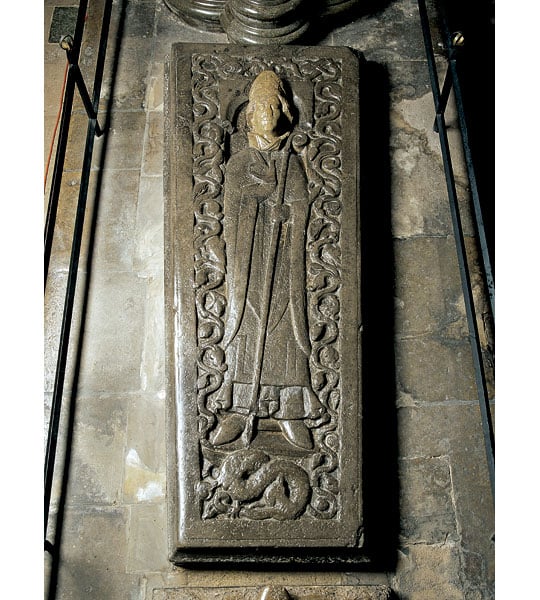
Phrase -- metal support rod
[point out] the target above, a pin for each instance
(56, 182)
(483, 397)
(480, 229)
(443, 101)
(83, 91)
(56, 406)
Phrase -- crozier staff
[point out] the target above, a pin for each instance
(266, 335)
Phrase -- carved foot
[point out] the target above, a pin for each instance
(229, 428)
(297, 433)
(274, 592)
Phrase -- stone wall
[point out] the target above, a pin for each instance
(428, 496)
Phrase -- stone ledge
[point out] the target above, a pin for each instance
(317, 592)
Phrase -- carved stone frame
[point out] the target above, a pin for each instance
(202, 94)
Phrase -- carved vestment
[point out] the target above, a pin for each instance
(251, 205)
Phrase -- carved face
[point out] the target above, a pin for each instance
(265, 116)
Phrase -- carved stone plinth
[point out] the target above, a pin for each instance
(262, 305)
(265, 22)
(202, 14)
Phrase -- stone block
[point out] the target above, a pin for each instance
(152, 368)
(112, 341)
(149, 224)
(431, 370)
(139, 20)
(426, 430)
(427, 289)
(265, 402)
(65, 221)
(115, 239)
(124, 140)
(475, 514)
(154, 90)
(147, 539)
(93, 556)
(426, 507)
(55, 294)
(425, 572)
(389, 36)
(422, 205)
(99, 442)
(145, 457)
(76, 144)
(153, 145)
(408, 80)
(128, 83)
(53, 80)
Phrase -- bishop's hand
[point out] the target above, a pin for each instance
(262, 171)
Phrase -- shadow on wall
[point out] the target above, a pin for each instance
(380, 448)
(476, 71)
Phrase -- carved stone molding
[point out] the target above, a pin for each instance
(258, 22)
(274, 22)
(202, 14)
(263, 316)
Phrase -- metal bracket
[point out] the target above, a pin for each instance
(66, 43)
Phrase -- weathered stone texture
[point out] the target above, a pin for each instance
(290, 477)
(94, 555)
(386, 36)
(426, 501)
(112, 348)
(114, 543)
(145, 461)
(366, 592)
(147, 542)
(426, 572)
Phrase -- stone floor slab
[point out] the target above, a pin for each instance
(311, 454)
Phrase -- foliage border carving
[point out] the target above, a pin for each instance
(320, 146)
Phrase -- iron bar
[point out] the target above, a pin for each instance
(63, 133)
(444, 96)
(479, 220)
(480, 379)
(67, 316)
(81, 86)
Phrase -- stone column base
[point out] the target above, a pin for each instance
(249, 22)
(201, 14)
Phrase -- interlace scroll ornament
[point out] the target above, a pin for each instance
(320, 148)
(209, 255)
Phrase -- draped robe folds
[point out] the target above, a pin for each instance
(251, 190)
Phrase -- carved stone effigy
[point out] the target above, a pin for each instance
(262, 304)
